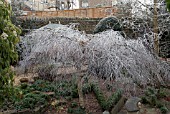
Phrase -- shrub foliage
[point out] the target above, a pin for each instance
(9, 36)
(168, 4)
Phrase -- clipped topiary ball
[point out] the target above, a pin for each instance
(108, 23)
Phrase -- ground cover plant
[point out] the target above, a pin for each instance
(153, 97)
(36, 94)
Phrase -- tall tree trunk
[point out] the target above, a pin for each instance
(80, 3)
(155, 19)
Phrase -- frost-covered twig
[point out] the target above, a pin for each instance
(107, 54)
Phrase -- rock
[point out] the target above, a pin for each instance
(106, 112)
(108, 23)
(139, 105)
(132, 104)
(24, 80)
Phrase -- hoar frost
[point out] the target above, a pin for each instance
(106, 54)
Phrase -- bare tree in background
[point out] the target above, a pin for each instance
(147, 20)
(17, 6)
(80, 3)
(66, 3)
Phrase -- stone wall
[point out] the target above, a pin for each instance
(84, 24)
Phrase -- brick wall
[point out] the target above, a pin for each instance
(81, 13)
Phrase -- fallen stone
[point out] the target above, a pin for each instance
(132, 104)
(106, 112)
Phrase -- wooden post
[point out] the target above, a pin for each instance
(80, 92)
(119, 105)
(155, 20)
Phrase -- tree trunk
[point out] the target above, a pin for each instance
(155, 18)
(80, 3)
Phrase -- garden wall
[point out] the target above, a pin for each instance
(81, 13)
(84, 24)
